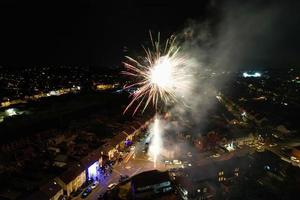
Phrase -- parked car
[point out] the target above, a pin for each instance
(103, 196)
(76, 193)
(95, 184)
(86, 192)
(100, 197)
(123, 178)
(111, 186)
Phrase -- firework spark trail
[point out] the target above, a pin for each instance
(156, 142)
(158, 79)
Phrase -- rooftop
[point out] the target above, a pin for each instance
(150, 178)
(50, 189)
(91, 158)
(71, 173)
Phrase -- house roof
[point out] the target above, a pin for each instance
(50, 189)
(61, 158)
(211, 170)
(129, 130)
(203, 172)
(106, 147)
(185, 182)
(71, 173)
(91, 158)
(150, 178)
(117, 139)
(38, 195)
(137, 124)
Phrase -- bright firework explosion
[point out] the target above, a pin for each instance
(158, 79)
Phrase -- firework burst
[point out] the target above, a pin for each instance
(158, 76)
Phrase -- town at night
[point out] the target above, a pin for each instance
(150, 100)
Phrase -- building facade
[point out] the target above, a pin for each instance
(72, 179)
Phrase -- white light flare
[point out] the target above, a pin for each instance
(156, 141)
(162, 77)
(161, 74)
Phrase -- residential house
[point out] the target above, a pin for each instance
(49, 191)
(72, 179)
(91, 163)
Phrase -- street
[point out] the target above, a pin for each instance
(135, 162)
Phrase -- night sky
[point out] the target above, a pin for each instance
(95, 33)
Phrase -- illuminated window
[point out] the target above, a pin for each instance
(221, 173)
(92, 170)
(204, 189)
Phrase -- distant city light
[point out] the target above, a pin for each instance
(255, 75)
(53, 93)
(105, 86)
